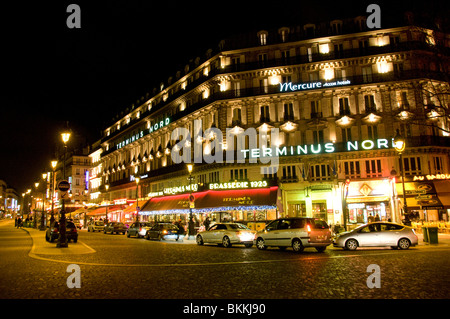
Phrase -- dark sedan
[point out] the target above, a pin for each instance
(115, 227)
(53, 232)
(163, 231)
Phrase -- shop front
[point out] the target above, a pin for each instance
(244, 205)
(371, 200)
(427, 198)
(317, 200)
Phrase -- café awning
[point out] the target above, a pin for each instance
(102, 210)
(214, 200)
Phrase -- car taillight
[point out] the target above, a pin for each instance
(308, 228)
(55, 230)
(164, 232)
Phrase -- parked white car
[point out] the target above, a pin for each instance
(377, 234)
(295, 232)
(226, 234)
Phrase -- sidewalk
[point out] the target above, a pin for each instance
(41, 246)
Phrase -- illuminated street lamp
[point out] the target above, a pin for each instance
(190, 168)
(137, 179)
(62, 239)
(43, 215)
(52, 189)
(400, 145)
(106, 219)
(35, 205)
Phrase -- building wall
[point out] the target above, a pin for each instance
(242, 88)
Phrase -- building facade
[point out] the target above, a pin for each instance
(296, 121)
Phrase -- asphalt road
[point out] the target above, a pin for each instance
(118, 267)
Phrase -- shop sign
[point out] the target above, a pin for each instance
(350, 146)
(431, 177)
(180, 189)
(238, 185)
(290, 87)
(142, 133)
(120, 201)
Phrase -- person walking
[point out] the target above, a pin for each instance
(207, 222)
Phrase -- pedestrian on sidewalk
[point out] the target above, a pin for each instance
(180, 231)
(19, 222)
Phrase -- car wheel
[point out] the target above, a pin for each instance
(226, 242)
(321, 249)
(260, 244)
(351, 244)
(199, 240)
(297, 246)
(404, 243)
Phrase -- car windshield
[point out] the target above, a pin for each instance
(70, 225)
(238, 226)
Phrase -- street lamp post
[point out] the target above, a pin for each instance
(43, 215)
(106, 219)
(52, 189)
(400, 145)
(35, 205)
(190, 168)
(137, 179)
(62, 238)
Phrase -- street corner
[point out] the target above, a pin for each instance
(42, 247)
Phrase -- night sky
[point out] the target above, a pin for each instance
(53, 74)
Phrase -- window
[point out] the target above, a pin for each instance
(398, 69)
(404, 100)
(352, 169)
(285, 57)
(372, 132)
(438, 168)
(320, 172)
(236, 116)
(288, 112)
(289, 173)
(369, 103)
(367, 74)
(318, 137)
(316, 110)
(344, 108)
(373, 168)
(236, 63)
(314, 76)
(238, 174)
(262, 59)
(412, 166)
(270, 172)
(346, 134)
(262, 35)
(264, 115)
(338, 50)
(263, 86)
(363, 46)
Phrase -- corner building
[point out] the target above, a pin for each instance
(336, 91)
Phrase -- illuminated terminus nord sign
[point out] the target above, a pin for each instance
(291, 87)
(311, 149)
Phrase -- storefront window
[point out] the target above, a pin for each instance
(319, 210)
(297, 209)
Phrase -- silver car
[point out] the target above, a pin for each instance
(295, 232)
(96, 226)
(226, 234)
(376, 235)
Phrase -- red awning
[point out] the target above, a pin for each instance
(102, 210)
(212, 200)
